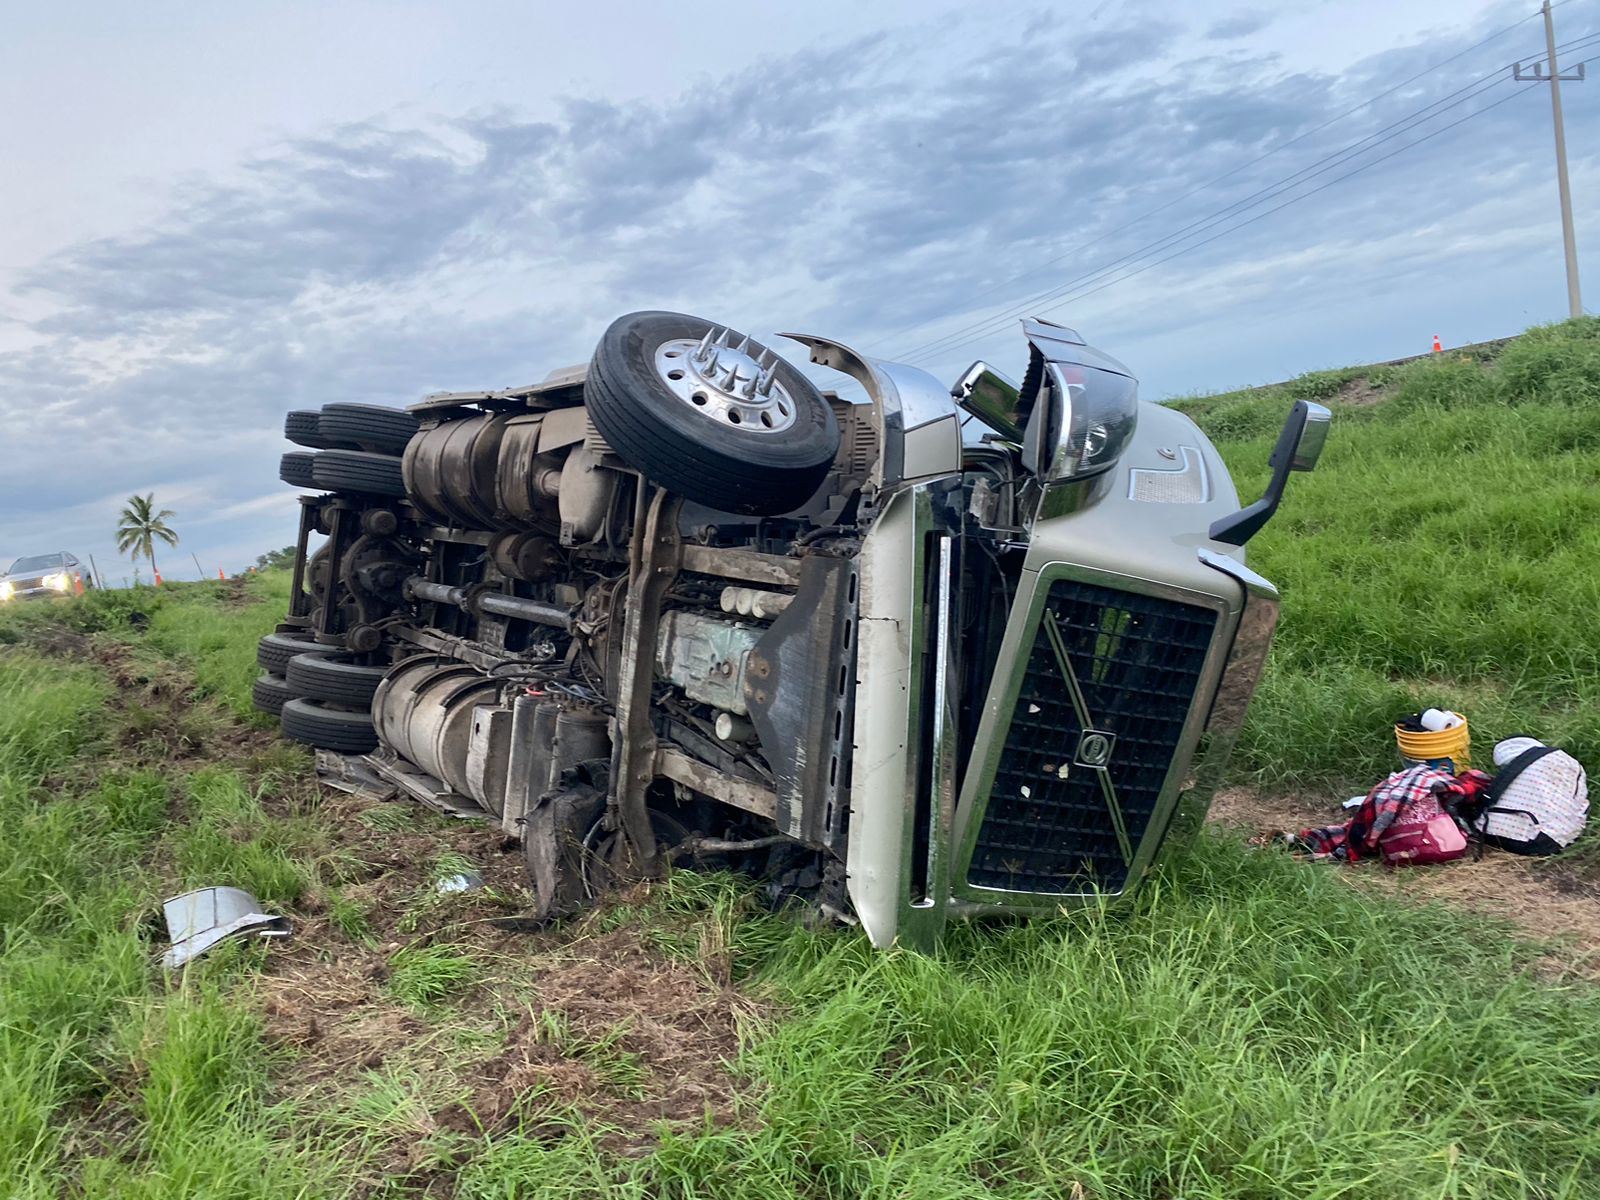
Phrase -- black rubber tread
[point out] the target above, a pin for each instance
(274, 651)
(270, 693)
(331, 676)
(294, 468)
(369, 426)
(359, 471)
(722, 466)
(317, 724)
(303, 427)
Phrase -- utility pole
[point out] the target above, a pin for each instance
(1553, 76)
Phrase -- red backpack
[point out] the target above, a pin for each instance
(1421, 837)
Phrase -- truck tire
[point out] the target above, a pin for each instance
(303, 427)
(275, 650)
(369, 426)
(359, 471)
(270, 693)
(667, 391)
(334, 678)
(294, 468)
(316, 724)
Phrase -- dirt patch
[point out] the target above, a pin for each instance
(573, 1019)
(638, 1040)
(1360, 392)
(1537, 895)
(160, 722)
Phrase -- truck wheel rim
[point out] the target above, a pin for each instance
(733, 384)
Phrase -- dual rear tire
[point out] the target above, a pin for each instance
(353, 448)
(320, 697)
(366, 427)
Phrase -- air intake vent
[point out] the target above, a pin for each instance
(1110, 680)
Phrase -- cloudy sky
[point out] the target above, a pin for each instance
(217, 213)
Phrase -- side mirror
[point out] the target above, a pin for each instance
(1299, 446)
(992, 398)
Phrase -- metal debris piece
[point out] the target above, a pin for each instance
(464, 881)
(205, 917)
(349, 774)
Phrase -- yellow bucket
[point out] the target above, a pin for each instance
(1420, 746)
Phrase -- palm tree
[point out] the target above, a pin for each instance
(140, 527)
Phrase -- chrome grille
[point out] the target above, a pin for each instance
(1089, 746)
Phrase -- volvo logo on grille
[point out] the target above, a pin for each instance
(1094, 748)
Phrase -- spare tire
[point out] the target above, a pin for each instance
(275, 650)
(710, 414)
(369, 426)
(316, 724)
(270, 693)
(294, 468)
(359, 471)
(333, 677)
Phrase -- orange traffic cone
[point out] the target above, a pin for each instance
(221, 576)
(77, 580)
(157, 574)
(1436, 346)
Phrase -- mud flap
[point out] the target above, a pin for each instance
(552, 844)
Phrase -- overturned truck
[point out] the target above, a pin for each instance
(923, 653)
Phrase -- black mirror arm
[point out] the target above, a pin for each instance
(1238, 528)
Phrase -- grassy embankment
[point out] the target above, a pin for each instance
(1254, 1028)
(1446, 551)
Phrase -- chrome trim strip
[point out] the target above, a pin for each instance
(898, 639)
(943, 744)
(922, 918)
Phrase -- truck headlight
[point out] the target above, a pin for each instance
(7, 589)
(58, 582)
(1089, 416)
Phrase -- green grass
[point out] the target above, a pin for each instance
(1445, 552)
(1255, 1029)
(423, 975)
(217, 642)
(90, 1029)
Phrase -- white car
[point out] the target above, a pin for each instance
(44, 576)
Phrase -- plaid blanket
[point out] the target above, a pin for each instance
(1416, 793)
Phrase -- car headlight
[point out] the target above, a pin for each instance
(7, 589)
(59, 582)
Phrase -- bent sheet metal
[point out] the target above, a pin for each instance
(206, 917)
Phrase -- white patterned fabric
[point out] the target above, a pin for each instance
(1550, 797)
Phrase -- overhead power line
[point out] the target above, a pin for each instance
(1263, 215)
(1321, 166)
(1268, 212)
(1196, 190)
